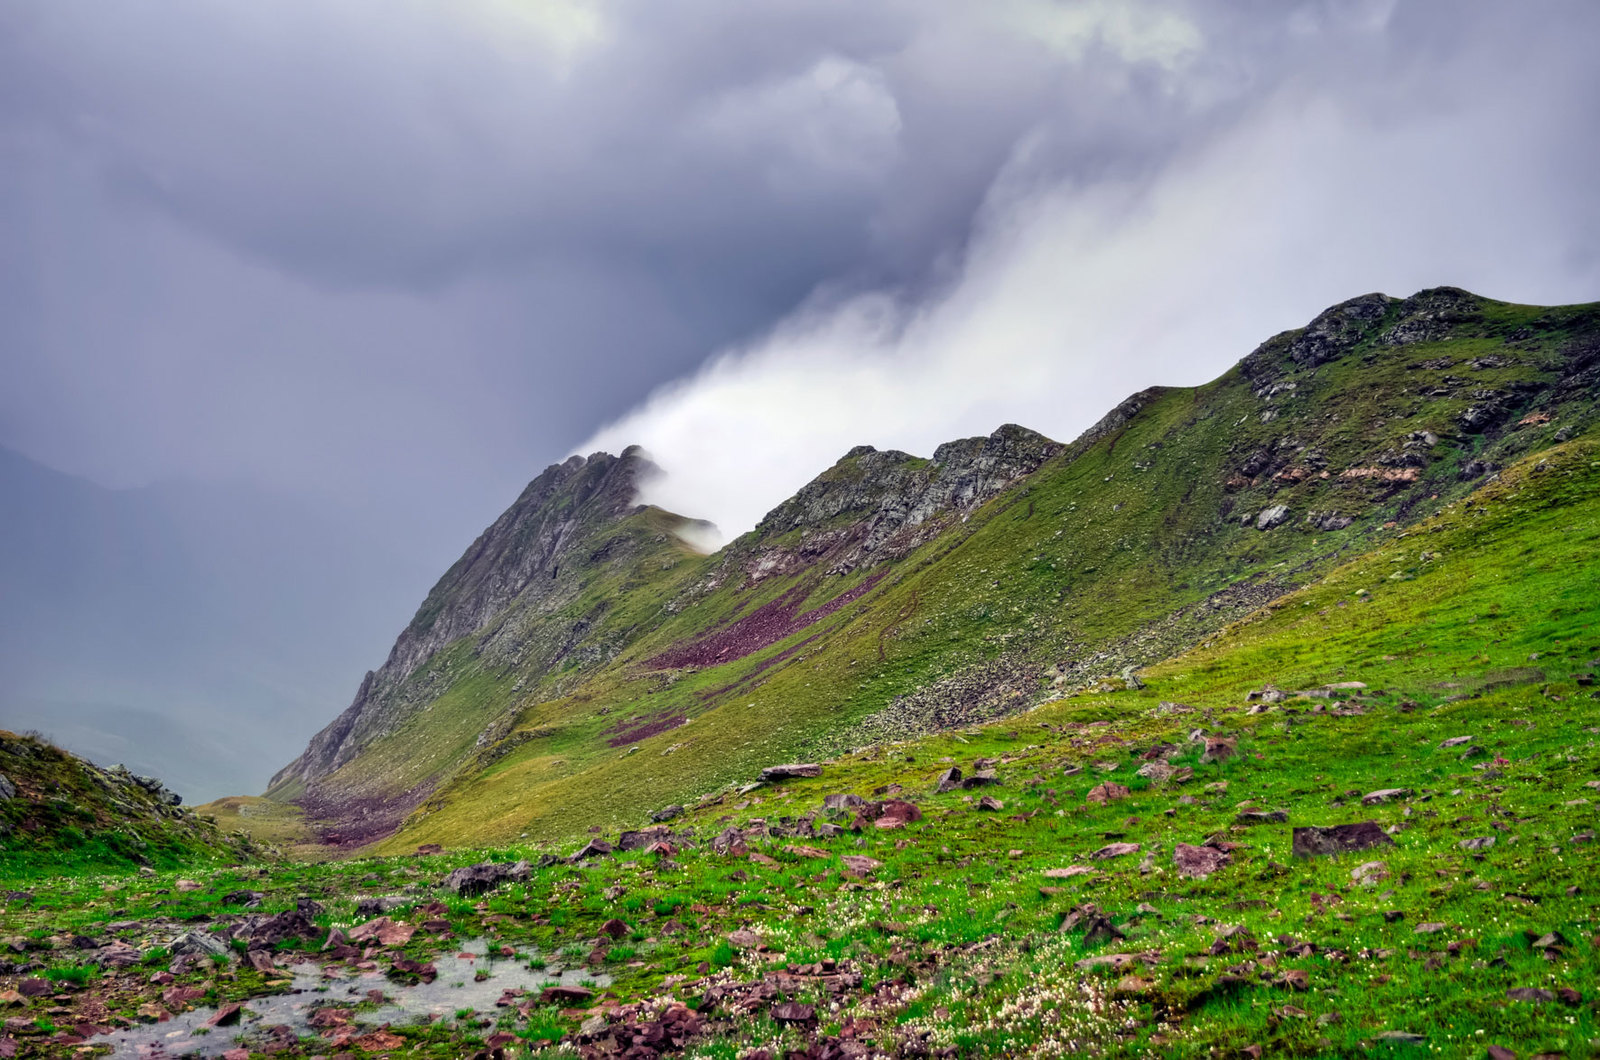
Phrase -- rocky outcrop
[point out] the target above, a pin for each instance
(876, 505)
(537, 557)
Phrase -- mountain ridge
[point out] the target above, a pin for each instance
(1321, 440)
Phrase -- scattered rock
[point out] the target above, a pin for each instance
(790, 772)
(1339, 839)
(1219, 749)
(1383, 795)
(989, 802)
(384, 931)
(1115, 850)
(1478, 843)
(381, 905)
(667, 814)
(199, 943)
(1197, 862)
(1249, 817)
(1532, 994)
(744, 939)
(845, 801)
(1455, 741)
(469, 881)
(595, 848)
(1068, 872)
(1107, 792)
(1369, 873)
(1276, 515)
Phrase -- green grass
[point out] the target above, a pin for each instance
(1115, 554)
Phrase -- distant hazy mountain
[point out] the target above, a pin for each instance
(199, 632)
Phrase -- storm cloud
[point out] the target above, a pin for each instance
(394, 257)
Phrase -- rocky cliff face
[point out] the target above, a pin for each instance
(537, 557)
(874, 506)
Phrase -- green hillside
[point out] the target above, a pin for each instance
(1126, 885)
(1034, 571)
(61, 814)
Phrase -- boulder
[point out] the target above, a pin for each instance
(1313, 842)
(379, 906)
(469, 881)
(791, 771)
(8, 790)
(594, 848)
(1107, 792)
(1276, 515)
(1115, 850)
(264, 931)
(667, 814)
(981, 778)
(1197, 862)
(199, 943)
(1383, 795)
(900, 810)
(949, 780)
(1248, 817)
(842, 801)
(641, 838)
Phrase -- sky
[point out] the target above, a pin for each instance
(393, 257)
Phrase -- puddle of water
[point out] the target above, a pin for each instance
(337, 986)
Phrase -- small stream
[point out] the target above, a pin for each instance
(315, 987)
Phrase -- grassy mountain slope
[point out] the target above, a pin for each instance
(969, 936)
(62, 814)
(892, 598)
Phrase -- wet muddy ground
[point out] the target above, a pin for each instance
(469, 984)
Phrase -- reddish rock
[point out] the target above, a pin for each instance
(1115, 850)
(1107, 792)
(1338, 839)
(1197, 862)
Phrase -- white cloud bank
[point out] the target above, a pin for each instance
(1072, 296)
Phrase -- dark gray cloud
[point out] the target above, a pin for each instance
(398, 256)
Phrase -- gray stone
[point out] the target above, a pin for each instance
(8, 790)
(199, 943)
(791, 771)
(1276, 515)
(1313, 842)
(1248, 817)
(1197, 862)
(667, 814)
(1383, 795)
(472, 880)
